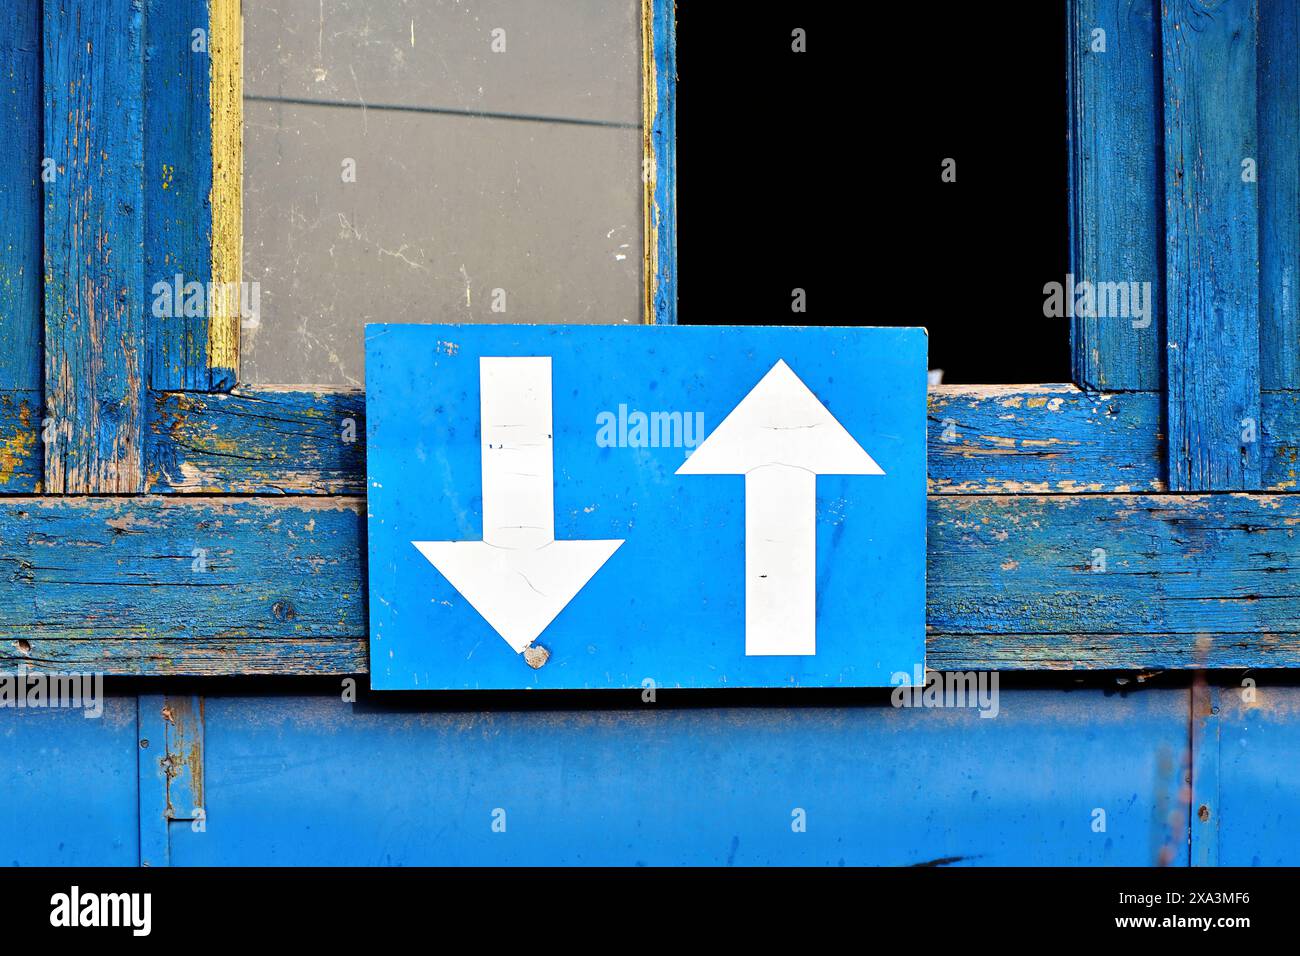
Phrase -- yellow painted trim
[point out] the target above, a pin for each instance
(226, 49)
(649, 105)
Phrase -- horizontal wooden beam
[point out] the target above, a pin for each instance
(983, 439)
(257, 441)
(1043, 439)
(186, 585)
(1106, 581)
(152, 585)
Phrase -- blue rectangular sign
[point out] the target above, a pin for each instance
(645, 506)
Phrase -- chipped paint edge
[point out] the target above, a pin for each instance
(659, 161)
(225, 45)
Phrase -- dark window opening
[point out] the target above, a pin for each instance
(822, 171)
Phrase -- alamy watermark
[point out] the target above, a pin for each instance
(37, 690)
(944, 689)
(1099, 300)
(638, 429)
(74, 908)
(175, 298)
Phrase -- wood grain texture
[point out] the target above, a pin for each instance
(1281, 441)
(983, 439)
(21, 152)
(226, 43)
(258, 441)
(94, 238)
(1279, 195)
(1188, 582)
(177, 188)
(1212, 244)
(20, 446)
(146, 585)
(1116, 193)
(993, 439)
(146, 656)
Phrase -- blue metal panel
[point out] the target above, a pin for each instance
(68, 796)
(311, 780)
(670, 604)
(1259, 777)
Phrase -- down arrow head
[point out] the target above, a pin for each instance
(518, 591)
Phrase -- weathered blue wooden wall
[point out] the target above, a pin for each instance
(1026, 484)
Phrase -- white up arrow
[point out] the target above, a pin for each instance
(780, 437)
(518, 577)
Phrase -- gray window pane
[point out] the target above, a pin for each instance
(376, 191)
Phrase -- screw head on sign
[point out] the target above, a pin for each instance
(535, 655)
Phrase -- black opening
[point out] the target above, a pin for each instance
(822, 171)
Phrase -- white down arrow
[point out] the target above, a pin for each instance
(518, 577)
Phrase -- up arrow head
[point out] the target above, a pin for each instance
(780, 437)
(780, 422)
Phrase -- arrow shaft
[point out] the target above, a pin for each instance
(780, 561)
(518, 456)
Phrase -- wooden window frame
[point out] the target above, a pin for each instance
(158, 519)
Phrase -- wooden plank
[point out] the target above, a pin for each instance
(659, 146)
(1056, 439)
(1212, 245)
(1279, 195)
(1081, 581)
(1281, 441)
(201, 657)
(94, 237)
(177, 186)
(1015, 583)
(1116, 193)
(258, 441)
(993, 439)
(21, 152)
(20, 446)
(226, 42)
(182, 585)
(983, 439)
